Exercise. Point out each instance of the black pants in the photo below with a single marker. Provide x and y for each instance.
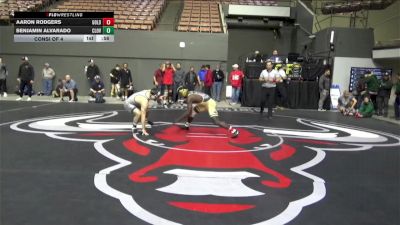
(373, 100)
(267, 95)
(191, 86)
(383, 104)
(207, 90)
(397, 107)
(22, 85)
(175, 93)
(3, 86)
(281, 89)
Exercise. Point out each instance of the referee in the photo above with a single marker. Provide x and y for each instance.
(268, 78)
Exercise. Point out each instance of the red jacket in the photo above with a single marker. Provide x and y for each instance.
(158, 74)
(236, 78)
(168, 76)
(208, 82)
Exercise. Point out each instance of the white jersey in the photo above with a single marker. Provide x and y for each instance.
(269, 77)
(131, 99)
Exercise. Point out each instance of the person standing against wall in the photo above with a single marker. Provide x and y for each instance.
(179, 79)
(91, 71)
(236, 78)
(26, 76)
(324, 84)
(218, 77)
(268, 79)
(3, 78)
(115, 75)
(158, 78)
(372, 88)
(48, 76)
(168, 82)
(397, 100)
(191, 79)
(385, 88)
(208, 82)
(125, 80)
(201, 77)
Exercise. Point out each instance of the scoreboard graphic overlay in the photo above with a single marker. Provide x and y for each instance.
(64, 27)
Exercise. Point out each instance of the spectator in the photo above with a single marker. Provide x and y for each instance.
(256, 57)
(91, 71)
(218, 77)
(324, 88)
(48, 76)
(158, 78)
(179, 79)
(281, 86)
(70, 89)
(366, 109)
(360, 91)
(383, 97)
(208, 81)
(26, 76)
(60, 86)
(268, 77)
(201, 77)
(125, 80)
(97, 90)
(114, 79)
(191, 79)
(236, 78)
(168, 81)
(3, 78)
(372, 87)
(397, 101)
(275, 57)
(347, 103)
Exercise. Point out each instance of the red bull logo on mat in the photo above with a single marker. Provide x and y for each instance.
(181, 176)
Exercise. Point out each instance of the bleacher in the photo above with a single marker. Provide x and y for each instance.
(196, 16)
(250, 2)
(8, 8)
(134, 15)
(200, 16)
(205, 16)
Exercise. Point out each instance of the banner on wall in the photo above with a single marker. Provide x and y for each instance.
(335, 95)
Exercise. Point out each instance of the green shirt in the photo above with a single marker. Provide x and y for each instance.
(372, 83)
(366, 109)
(397, 88)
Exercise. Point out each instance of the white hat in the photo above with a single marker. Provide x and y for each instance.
(235, 66)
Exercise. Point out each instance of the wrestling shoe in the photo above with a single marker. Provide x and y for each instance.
(234, 132)
(186, 126)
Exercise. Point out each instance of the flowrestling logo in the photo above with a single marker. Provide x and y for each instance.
(177, 175)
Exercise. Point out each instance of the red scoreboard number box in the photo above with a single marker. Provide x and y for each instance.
(108, 21)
